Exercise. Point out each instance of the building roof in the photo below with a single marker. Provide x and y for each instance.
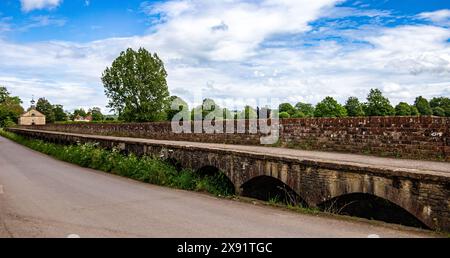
(31, 112)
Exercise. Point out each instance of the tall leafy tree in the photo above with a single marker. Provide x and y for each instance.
(78, 112)
(136, 86)
(378, 105)
(441, 102)
(438, 111)
(44, 106)
(403, 109)
(180, 104)
(96, 114)
(208, 109)
(354, 107)
(306, 109)
(209, 106)
(3, 94)
(10, 110)
(423, 106)
(329, 107)
(288, 108)
(60, 114)
(284, 115)
(414, 111)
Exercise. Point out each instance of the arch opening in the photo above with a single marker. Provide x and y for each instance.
(273, 190)
(215, 181)
(371, 207)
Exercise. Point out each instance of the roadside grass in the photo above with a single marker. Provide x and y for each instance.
(145, 169)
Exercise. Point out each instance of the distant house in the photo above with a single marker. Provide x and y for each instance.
(86, 119)
(32, 116)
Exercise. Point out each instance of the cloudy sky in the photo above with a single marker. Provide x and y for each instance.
(293, 50)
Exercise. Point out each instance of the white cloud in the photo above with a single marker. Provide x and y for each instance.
(436, 16)
(248, 23)
(5, 24)
(29, 5)
(42, 21)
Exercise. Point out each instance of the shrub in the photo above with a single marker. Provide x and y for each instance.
(403, 109)
(423, 106)
(306, 109)
(354, 107)
(438, 111)
(329, 107)
(378, 105)
(287, 108)
(285, 115)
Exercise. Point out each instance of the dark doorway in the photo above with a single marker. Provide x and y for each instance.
(371, 207)
(268, 188)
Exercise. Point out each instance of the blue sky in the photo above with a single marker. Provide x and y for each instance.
(292, 50)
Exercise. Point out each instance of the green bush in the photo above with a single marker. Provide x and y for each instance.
(378, 105)
(354, 107)
(423, 106)
(329, 107)
(403, 109)
(438, 111)
(285, 115)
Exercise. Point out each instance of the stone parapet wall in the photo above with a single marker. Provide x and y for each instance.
(407, 137)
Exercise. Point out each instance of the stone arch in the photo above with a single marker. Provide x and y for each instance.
(219, 176)
(371, 206)
(269, 188)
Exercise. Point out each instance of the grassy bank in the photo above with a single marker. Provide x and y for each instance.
(145, 169)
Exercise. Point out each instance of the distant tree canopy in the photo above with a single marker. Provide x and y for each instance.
(60, 114)
(78, 112)
(329, 107)
(295, 112)
(3, 94)
(53, 113)
(307, 110)
(403, 109)
(354, 107)
(175, 106)
(284, 115)
(442, 103)
(378, 105)
(136, 86)
(423, 106)
(44, 106)
(10, 108)
(96, 114)
(287, 108)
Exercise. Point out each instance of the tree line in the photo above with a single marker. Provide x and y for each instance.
(376, 105)
(56, 113)
(11, 109)
(137, 88)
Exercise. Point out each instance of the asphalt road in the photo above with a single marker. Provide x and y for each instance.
(44, 197)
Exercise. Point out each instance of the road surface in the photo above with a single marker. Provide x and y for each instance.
(44, 197)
